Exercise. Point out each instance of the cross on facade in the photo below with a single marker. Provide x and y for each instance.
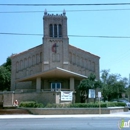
(54, 47)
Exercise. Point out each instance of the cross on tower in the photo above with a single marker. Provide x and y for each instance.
(54, 47)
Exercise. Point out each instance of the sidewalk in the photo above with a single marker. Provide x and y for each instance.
(120, 114)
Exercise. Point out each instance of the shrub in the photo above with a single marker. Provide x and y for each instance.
(87, 105)
(39, 105)
(32, 104)
(96, 105)
(49, 105)
(116, 104)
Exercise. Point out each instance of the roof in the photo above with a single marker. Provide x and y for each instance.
(83, 51)
(25, 51)
(54, 73)
(41, 44)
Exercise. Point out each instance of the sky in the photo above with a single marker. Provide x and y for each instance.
(107, 20)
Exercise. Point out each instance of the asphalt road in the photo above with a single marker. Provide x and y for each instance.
(85, 123)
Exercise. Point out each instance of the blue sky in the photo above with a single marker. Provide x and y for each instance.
(114, 53)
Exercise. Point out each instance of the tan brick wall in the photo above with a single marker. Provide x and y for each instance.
(83, 62)
(42, 97)
(25, 64)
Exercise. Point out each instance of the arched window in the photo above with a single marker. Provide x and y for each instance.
(17, 66)
(40, 57)
(74, 59)
(81, 62)
(89, 64)
(34, 60)
(51, 30)
(93, 66)
(60, 30)
(70, 57)
(37, 58)
(77, 60)
(55, 30)
(21, 64)
(29, 61)
(25, 63)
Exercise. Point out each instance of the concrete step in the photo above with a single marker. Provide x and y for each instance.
(13, 111)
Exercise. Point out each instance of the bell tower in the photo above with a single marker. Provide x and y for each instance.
(55, 41)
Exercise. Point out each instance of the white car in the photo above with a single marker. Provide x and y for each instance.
(125, 101)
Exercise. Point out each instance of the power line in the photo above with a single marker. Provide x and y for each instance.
(121, 57)
(101, 4)
(100, 36)
(29, 34)
(67, 11)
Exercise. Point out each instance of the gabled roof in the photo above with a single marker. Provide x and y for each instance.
(78, 49)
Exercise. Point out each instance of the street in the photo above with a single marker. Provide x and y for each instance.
(84, 123)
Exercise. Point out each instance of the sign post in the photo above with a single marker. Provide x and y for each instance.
(99, 96)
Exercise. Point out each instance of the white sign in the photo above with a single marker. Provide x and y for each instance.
(91, 93)
(99, 94)
(66, 95)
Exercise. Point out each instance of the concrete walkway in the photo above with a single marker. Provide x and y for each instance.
(120, 114)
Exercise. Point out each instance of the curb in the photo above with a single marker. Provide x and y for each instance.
(62, 116)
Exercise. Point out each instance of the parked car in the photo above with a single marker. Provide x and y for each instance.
(122, 100)
(125, 101)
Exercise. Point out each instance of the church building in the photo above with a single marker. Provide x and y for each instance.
(43, 72)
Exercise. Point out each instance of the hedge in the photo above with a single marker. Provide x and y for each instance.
(86, 105)
(33, 104)
(30, 104)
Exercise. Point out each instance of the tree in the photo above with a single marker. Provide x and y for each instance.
(5, 75)
(113, 85)
(7, 64)
(86, 84)
(128, 92)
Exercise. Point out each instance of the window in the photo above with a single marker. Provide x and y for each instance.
(70, 57)
(34, 60)
(55, 86)
(51, 30)
(29, 61)
(17, 66)
(25, 63)
(93, 66)
(74, 59)
(60, 30)
(37, 58)
(55, 30)
(21, 64)
(40, 57)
